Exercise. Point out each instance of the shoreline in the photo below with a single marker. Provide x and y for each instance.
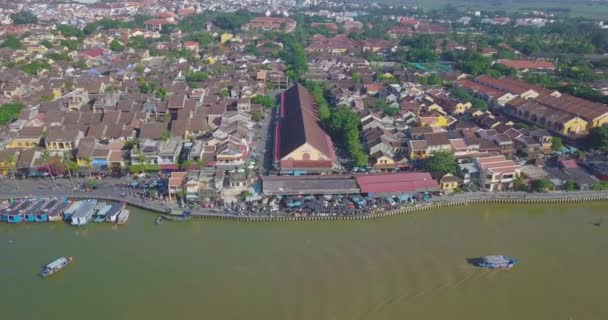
(462, 199)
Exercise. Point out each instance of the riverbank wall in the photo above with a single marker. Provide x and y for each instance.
(461, 199)
(438, 202)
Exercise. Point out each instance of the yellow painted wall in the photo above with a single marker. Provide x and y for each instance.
(23, 143)
(599, 121)
(384, 161)
(576, 125)
(298, 154)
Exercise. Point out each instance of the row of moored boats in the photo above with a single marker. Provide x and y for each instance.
(58, 209)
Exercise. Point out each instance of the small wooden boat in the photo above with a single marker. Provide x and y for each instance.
(159, 219)
(183, 216)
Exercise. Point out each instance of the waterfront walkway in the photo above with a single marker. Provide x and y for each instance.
(109, 192)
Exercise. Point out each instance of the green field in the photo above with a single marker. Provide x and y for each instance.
(577, 8)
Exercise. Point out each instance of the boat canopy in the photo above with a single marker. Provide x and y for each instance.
(56, 263)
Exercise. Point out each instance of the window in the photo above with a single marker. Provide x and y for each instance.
(507, 176)
(489, 177)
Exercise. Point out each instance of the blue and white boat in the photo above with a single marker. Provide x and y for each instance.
(100, 216)
(55, 265)
(84, 213)
(496, 262)
(67, 214)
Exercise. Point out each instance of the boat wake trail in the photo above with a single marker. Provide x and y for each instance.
(405, 298)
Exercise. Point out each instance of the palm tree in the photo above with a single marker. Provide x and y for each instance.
(11, 165)
(141, 159)
(46, 159)
(88, 162)
(70, 165)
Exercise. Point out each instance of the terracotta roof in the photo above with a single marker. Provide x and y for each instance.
(299, 124)
(527, 64)
(397, 182)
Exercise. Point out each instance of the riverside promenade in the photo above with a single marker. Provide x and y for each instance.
(109, 192)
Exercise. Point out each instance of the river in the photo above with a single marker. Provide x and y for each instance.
(404, 267)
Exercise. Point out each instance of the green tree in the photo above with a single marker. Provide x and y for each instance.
(598, 138)
(9, 112)
(556, 143)
(115, 45)
(295, 57)
(541, 185)
(11, 166)
(232, 21)
(70, 165)
(47, 44)
(24, 17)
(519, 183)
(266, 101)
(71, 45)
(257, 116)
(571, 186)
(88, 163)
(12, 42)
(67, 30)
(356, 77)
(441, 161)
(141, 160)
(137, 42)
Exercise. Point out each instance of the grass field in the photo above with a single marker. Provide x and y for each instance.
(580, 8)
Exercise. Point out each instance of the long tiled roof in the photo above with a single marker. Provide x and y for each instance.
(299, 124)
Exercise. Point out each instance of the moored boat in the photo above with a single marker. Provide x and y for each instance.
(123, 216)
(181, 216)
(100, 216)
(84, 213)
(112, 214)
(496, 262)
(54, 266)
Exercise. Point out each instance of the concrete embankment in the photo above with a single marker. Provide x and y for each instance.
(438, 202)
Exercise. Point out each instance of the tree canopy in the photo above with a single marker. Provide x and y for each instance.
(68, 30)
(265, 101)
(344, 125)
(24, 17)
(441, 161)
(12, 42)
(598, 138)
(9, 112)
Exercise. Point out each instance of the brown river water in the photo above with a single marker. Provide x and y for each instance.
(405, 267)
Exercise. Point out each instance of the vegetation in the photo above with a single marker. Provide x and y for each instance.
(317, 93)
(266, 101)
(541, 185)
(12, 42)
(571, 186)
(232, 21)
(598, 138)
(68, 30)
(24, 17)
(115, 45)
(35, 67)
(344, 125)
(442, 161)
(466, 96)
(295, 57)
(71, 45)
(202, 38)
(556, 143)
(9, 112)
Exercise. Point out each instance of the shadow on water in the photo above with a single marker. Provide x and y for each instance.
(474, 261)
(597, 223)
